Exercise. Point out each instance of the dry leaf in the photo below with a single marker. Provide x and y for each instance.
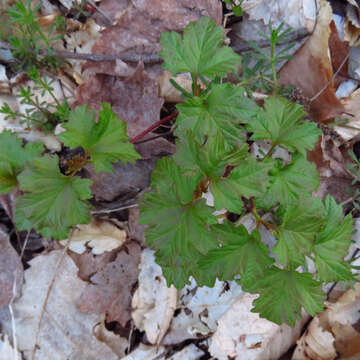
(199, 310)
(126, 181)
(11, 270)
(242, 334)
(311, 69)
(334, 333)
(99, 235)
(153, 302)
(7, 352)
(145, 352)
(110, 288)
(65, 332)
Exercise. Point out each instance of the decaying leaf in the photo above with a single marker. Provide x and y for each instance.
(11, 270)
(199, 310)
(242, 334)
(110, 288)
(153, 302)
(64, 331)
(99, 235)
(334, 333)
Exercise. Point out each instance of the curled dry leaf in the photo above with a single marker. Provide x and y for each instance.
(242, 334)
(335, 332)
(153, 302)
(110, 290)
(11, 270)
(99, 235)
(65, 332)
(311, 69)
(199, 310)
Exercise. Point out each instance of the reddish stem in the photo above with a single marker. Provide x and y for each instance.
(153, 126)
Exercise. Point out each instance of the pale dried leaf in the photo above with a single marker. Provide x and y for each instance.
(335, 332)
(191, 352)
(99, 235)
(242, 334)
(7, 352)
(65, 332)
(146, 352)
(11, 270)
(110, 288)
(153, 302)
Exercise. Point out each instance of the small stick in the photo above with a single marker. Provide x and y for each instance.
(153, 126)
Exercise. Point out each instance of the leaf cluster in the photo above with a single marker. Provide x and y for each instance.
(214, 128)
(54, 200)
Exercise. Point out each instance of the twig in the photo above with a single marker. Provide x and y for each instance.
(331, 79)
(153, 126)
(107, 211)
(350, 199)
(51, 285)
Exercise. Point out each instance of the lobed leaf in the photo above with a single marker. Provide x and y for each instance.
(281, 122)
(13, 157)
(283, 293)
(53, 202)
(105, 141)
(199, 52)
(332, 244)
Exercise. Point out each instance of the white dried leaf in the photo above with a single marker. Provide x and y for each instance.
(145, 352)
(100, 236)
(7, 352)
(200, 308)
(242, 334)
(191, 352)
(153, 302)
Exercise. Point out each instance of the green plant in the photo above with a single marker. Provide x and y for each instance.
(28, 39)
(56, 199)
(38, 114)
(235, 6)
(214, 127)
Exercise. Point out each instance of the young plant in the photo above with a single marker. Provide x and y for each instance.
(38, 114)
(54, 200)
(214, 128)
(28, 39)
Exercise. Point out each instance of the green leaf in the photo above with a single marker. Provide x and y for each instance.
(105, 141)
(210, 158)
(283, 293)
(281, 122)
(221, 110)
(13, 157)
(248, 179)
(290, 183)
(332, 244)
(178, 232)
(296, 235)
(238, 253)
(53, 202)
(200, 51)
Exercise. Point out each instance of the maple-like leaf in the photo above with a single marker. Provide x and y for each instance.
(223, 109)
(283, 293)
(332, 244)
(53, 202)
(13, 157)
(301, 223)
(290, 183)
(177, 232)
(281, 122)
(200, 51)
(105, 141)
(248, 179)
(238, 253)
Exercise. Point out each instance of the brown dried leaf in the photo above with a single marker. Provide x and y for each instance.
(110, 288)
(125, 181)
(310, 70)
(11, 270)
